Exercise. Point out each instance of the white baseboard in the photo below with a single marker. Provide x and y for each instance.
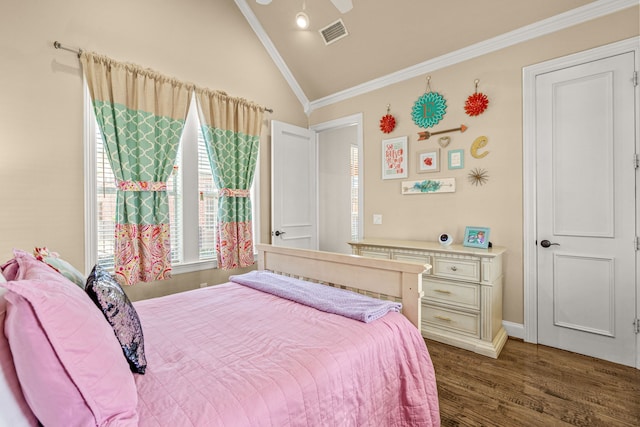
(515, 330)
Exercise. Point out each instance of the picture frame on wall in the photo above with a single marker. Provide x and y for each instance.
(429, 186)
(456, 159)
(429, 161)
(394, 158)
(476, 237)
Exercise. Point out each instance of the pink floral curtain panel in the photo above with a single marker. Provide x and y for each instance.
(141, 115)
(231, 128)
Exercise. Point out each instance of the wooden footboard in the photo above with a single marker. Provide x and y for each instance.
(381, 278)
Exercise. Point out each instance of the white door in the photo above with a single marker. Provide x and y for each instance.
(586, 208)
(294, 212)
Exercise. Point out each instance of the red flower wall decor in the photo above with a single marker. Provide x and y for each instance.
(476, 103)
(387, 122)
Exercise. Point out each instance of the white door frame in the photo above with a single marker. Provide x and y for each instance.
(529, 75)
(354, 119)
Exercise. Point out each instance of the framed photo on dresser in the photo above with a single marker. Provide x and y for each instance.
(476, 237)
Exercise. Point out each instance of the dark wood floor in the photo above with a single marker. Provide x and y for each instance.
(533, 385)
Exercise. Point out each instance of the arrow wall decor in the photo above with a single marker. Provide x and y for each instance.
(426, 135)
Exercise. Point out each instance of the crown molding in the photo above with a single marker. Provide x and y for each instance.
(273, 52)
(558, 22)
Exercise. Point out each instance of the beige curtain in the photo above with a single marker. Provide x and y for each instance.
(141, 115)
(231, 128)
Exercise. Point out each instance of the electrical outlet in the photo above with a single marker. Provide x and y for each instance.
(377, 219)
(204, 285)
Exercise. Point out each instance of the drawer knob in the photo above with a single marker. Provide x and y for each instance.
(442, 291)
(454, 268)
(446, 319)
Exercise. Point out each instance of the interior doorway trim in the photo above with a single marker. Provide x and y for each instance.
(352, 120)
(529, 75)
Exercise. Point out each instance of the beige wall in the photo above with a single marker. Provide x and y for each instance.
(41, 101)
(497, 204)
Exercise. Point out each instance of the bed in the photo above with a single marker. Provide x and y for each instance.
(232, 355)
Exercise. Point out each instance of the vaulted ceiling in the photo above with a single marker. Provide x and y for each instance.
(386, 37)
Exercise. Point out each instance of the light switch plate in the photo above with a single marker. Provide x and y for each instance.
(377, 219)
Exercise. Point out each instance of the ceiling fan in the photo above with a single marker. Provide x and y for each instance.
(343, 6)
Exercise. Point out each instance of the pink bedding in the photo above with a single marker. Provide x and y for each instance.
(232, 356)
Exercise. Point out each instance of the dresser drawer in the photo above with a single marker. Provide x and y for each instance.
(466, 295)
(458, 269)
(370, 253)
(451, 320)
(417, 258)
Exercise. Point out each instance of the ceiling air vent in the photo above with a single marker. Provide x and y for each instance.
(333, 32)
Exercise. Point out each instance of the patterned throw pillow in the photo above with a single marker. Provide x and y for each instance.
(109, 296)
(61, 266)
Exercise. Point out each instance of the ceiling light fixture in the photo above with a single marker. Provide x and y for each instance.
(263, 1)
(302, 19)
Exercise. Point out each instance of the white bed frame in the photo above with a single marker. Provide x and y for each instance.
(380, 278)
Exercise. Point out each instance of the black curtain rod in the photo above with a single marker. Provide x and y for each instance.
(78, 52)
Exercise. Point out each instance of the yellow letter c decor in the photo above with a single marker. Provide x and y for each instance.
(480, 142)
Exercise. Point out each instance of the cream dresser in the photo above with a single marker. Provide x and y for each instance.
(462, 304)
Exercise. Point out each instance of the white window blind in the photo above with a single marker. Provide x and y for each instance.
(354, 192)
(174, 191)
(208, 203)
(106, 206)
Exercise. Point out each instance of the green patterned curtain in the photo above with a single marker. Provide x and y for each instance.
(141, 115)
(231, 128)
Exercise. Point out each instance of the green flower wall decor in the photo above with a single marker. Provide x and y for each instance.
(429, 109)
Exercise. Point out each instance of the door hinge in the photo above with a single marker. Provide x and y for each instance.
(636, 243)
(636, 161)
(635, 78)
(636, 326)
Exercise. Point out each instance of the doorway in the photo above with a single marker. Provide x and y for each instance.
(337, 189)
(339, 183)
(581, 263)
(301, 216)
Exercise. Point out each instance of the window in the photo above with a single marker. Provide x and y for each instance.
(193, 200)
(355, 202)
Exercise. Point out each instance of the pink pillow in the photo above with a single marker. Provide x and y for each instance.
(9, 269)
(62, 345)
(14, 410)
(28, 267)
(55, 399)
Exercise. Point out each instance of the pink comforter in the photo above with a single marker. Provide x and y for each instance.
(232, 356)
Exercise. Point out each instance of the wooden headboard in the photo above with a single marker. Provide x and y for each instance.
(378, 277)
